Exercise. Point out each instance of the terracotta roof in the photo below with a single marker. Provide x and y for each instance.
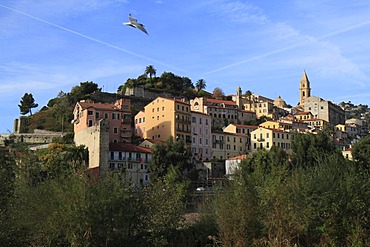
(219, 101)
(302, 113)
(98, 106)
(245, 126)
(120, 146)
(240, 157)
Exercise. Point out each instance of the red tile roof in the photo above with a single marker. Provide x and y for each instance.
(98, 106)
(240, 157)
(127, 147)
(302, 113)
(245, 126)
(219, 101)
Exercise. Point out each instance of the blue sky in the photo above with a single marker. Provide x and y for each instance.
(263, 46)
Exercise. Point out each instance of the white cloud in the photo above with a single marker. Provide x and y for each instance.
(238, 11)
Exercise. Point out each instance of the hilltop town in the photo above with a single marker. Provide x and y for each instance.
(220, 130)
(182, 166)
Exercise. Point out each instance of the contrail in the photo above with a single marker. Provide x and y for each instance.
(92, 39)
(332, 34)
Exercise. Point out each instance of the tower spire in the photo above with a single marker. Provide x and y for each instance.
(304, 89)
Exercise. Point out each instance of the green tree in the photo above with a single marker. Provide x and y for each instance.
(307, 149)
(200, 85)
(7, 181)
(165, 156)
(361, 153)
(27, 103)
(151, 71)
(82, 91)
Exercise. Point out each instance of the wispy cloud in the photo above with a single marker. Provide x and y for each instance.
(93, 39)
(238, 11)
(30, 77)
(325, 56)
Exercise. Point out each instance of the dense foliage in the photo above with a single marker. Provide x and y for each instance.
(312, 197)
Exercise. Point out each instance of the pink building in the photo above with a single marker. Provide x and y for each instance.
(88, 114)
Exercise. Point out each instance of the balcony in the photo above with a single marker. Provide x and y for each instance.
(260, 139)
(126, 121)
(218, 141)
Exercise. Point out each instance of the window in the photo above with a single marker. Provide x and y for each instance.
(111, 166)
(193, 120)
(97, 115)
(115, 130)
(90, 113)
(90, 123)
(105, 115)
(113, 116)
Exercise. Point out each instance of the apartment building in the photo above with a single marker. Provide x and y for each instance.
(223, 112)
(226, 145)
(201, 146)
(164, 118)
(242, 129)
(263, 138)
(324, 109)
(132, 160)
(351, 130)
(87, 114)
(286, 125)
(316, 124)
(303, 115)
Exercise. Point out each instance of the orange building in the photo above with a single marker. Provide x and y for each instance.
(164, 118)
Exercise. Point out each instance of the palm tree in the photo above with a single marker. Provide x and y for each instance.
(200, 85)
(151, 71)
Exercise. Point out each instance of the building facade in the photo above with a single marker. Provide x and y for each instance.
(263, 138)
(118, 114)
(133, 161)
(324, 109)
(164, 118)
(201, 146)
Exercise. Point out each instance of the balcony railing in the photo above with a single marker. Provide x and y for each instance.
(260, 139)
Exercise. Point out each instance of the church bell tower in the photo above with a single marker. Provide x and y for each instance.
(304, 89)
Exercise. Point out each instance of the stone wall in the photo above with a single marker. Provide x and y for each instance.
(96, 139)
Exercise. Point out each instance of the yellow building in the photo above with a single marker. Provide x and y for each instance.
(241, 129)
(263, 138)
(165, 118)
(271, 125)
(303, 115)
(351, 130)
(316, 124)
(226, 145)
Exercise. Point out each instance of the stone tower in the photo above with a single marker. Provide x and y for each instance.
(239, 102)
(304, 89)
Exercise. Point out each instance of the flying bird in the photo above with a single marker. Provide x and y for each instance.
(133, 23)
